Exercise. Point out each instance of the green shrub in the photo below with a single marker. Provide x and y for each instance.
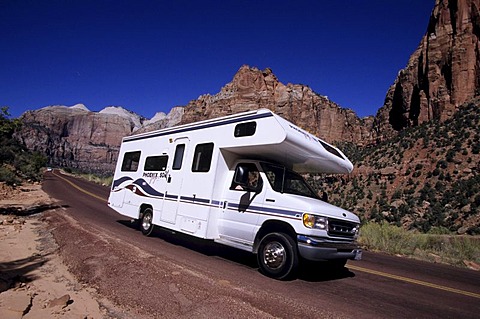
(8, 176)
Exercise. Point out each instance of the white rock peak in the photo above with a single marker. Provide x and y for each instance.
(134, 118)
(137, 121)
(157, 117)
(80, 106)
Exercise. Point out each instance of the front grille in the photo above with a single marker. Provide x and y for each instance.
(341, 228)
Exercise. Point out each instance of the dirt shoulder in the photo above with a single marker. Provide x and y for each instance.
(34, 282)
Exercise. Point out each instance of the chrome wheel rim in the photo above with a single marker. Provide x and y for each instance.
(274, 255)
(147, 221)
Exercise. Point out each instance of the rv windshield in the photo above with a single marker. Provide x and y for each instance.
(283, 180)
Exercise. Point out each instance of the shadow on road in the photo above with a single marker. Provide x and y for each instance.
(312, 272)
(203, 246)
(323, 271)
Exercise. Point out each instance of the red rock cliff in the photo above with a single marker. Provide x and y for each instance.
(252, 89)
(443, 72)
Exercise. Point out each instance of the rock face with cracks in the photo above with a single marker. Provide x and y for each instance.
(252, 89)
(443, 72)
(74, 137)
(78, 138)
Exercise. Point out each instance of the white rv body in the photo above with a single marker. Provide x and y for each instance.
(189, 179)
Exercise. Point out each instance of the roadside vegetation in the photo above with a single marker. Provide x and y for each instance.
(425, 177)
(105, 181)
(438, 245)
(17, 164)
(101, 180)
(418, 193)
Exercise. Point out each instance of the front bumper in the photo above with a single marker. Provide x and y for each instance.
(320, 249)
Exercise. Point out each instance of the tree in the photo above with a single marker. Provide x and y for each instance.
(16, 162)
(7, 126)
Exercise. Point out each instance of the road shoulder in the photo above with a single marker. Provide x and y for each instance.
(34, 282)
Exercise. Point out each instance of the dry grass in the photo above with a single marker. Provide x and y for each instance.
(450, 249)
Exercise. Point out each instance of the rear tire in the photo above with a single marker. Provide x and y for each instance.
(146, 222)
(277, 256)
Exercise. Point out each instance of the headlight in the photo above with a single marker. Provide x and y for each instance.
(356, 231)
(314, 221)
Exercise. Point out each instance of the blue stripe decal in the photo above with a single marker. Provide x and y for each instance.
(153, 193)
(195, 199)
(280, 211)
(147, 188)
(250, 208)
(121, 180)
(201, 127)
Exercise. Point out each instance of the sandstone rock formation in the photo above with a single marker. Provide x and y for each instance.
(443, 72)
(78, 138)
(161, 120)
(134, 119)
(252, 89)
(75, 137)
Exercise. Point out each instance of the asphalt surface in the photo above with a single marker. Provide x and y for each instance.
(177, 276)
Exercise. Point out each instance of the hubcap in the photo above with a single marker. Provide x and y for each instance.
(274, 255)
(146, 221)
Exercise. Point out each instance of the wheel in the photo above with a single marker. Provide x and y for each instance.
(146, 222)
(277, 256)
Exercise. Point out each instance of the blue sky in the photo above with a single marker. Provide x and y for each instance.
(149, 56)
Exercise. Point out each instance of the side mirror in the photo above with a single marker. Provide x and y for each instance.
(241, 176)
(249, 180)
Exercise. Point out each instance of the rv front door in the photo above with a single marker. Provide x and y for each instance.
(175, 177)
(243, 199)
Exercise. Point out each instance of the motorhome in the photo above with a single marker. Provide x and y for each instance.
(237, 180)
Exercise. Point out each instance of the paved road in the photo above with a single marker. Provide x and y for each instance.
(175, 276)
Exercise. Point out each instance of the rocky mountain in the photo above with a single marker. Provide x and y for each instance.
(135, 120)
(425, 178)
(161, 120)
(442, 73)
(252, 88)
(78, 138)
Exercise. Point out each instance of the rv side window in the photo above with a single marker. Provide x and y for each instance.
(130, 161)
(156, 163)
(202, 157)
(245, 129)
(178, 158)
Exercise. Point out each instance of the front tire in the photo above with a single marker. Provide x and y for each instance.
(146, 222)
(277, 256)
